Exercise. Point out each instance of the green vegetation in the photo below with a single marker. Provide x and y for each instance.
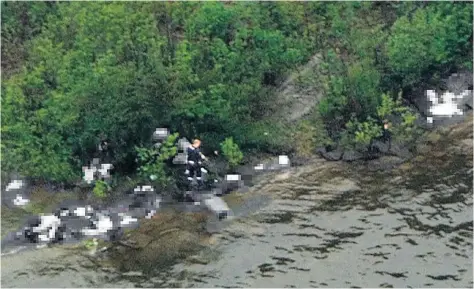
(74, 71)
(152, 161)
(370, 57)
(100, 189)
(232, 152)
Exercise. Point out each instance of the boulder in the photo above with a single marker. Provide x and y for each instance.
(160, 241)
(330, 156)
(350, 156)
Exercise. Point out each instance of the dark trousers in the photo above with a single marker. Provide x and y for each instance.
(387, 137)
(194, 169)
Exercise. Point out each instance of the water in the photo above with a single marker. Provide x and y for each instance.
(322, 225)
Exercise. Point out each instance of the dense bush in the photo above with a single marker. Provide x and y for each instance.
(231, 152)
(73, 71)
(388, 55)
(152, 161)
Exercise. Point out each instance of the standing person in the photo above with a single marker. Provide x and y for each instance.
(194, 161)
(387, 135)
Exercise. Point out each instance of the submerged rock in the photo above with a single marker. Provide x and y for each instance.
(160, 241)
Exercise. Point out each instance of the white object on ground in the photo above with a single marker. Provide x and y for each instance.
(216, 204)
(80, 211)
(183, 143)
(147, 188)
(127, 220)
(104, 169)
(449, 105)
(20, 201)
(47, 228)
(103, 225)
(204, 170)
(283, 160)
(259, 167)
(89, 174)
(14, 185)
(232, 178)
(161, 133)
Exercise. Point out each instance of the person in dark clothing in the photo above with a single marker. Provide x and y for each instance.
(194, 161)
(387, 135)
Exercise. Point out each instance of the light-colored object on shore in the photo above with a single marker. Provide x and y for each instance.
(232, 178)
(180, 159)
(104, 170)
(446, 105)
(89, 174)
(161, 133)
(216, 205)
(127, 220)
(284, 160)
(47, 228)
(147, 188)
(20, 201)
(103, 225)
(183, 143)
(259, 167)
(150, 214)
(80, 212)
(14, 185)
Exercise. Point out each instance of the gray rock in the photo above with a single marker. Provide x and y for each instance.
(330, 156)
(459, 82)
(385, 163)
(466, 102)
(350, 156)
(334, 155)
(382, 147)
(400, 150)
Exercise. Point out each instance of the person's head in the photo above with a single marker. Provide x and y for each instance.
(196, 143)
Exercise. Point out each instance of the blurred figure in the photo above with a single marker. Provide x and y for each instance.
(387, 135)
(194, 162)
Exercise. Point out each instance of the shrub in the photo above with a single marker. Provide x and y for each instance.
(363, 133)
(404, 130)
(101, 189)
(152, 161)
(232, 152)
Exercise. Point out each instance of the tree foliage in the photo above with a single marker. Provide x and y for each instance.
(232, 152)
(73, 71)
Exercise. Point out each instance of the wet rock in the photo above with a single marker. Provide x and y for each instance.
(385, 163)
(133, 274)
(400, 150)
(330, 156)
(458, 82)
(381, 147)
(198, 260)
(160, 241)
(350, 156)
